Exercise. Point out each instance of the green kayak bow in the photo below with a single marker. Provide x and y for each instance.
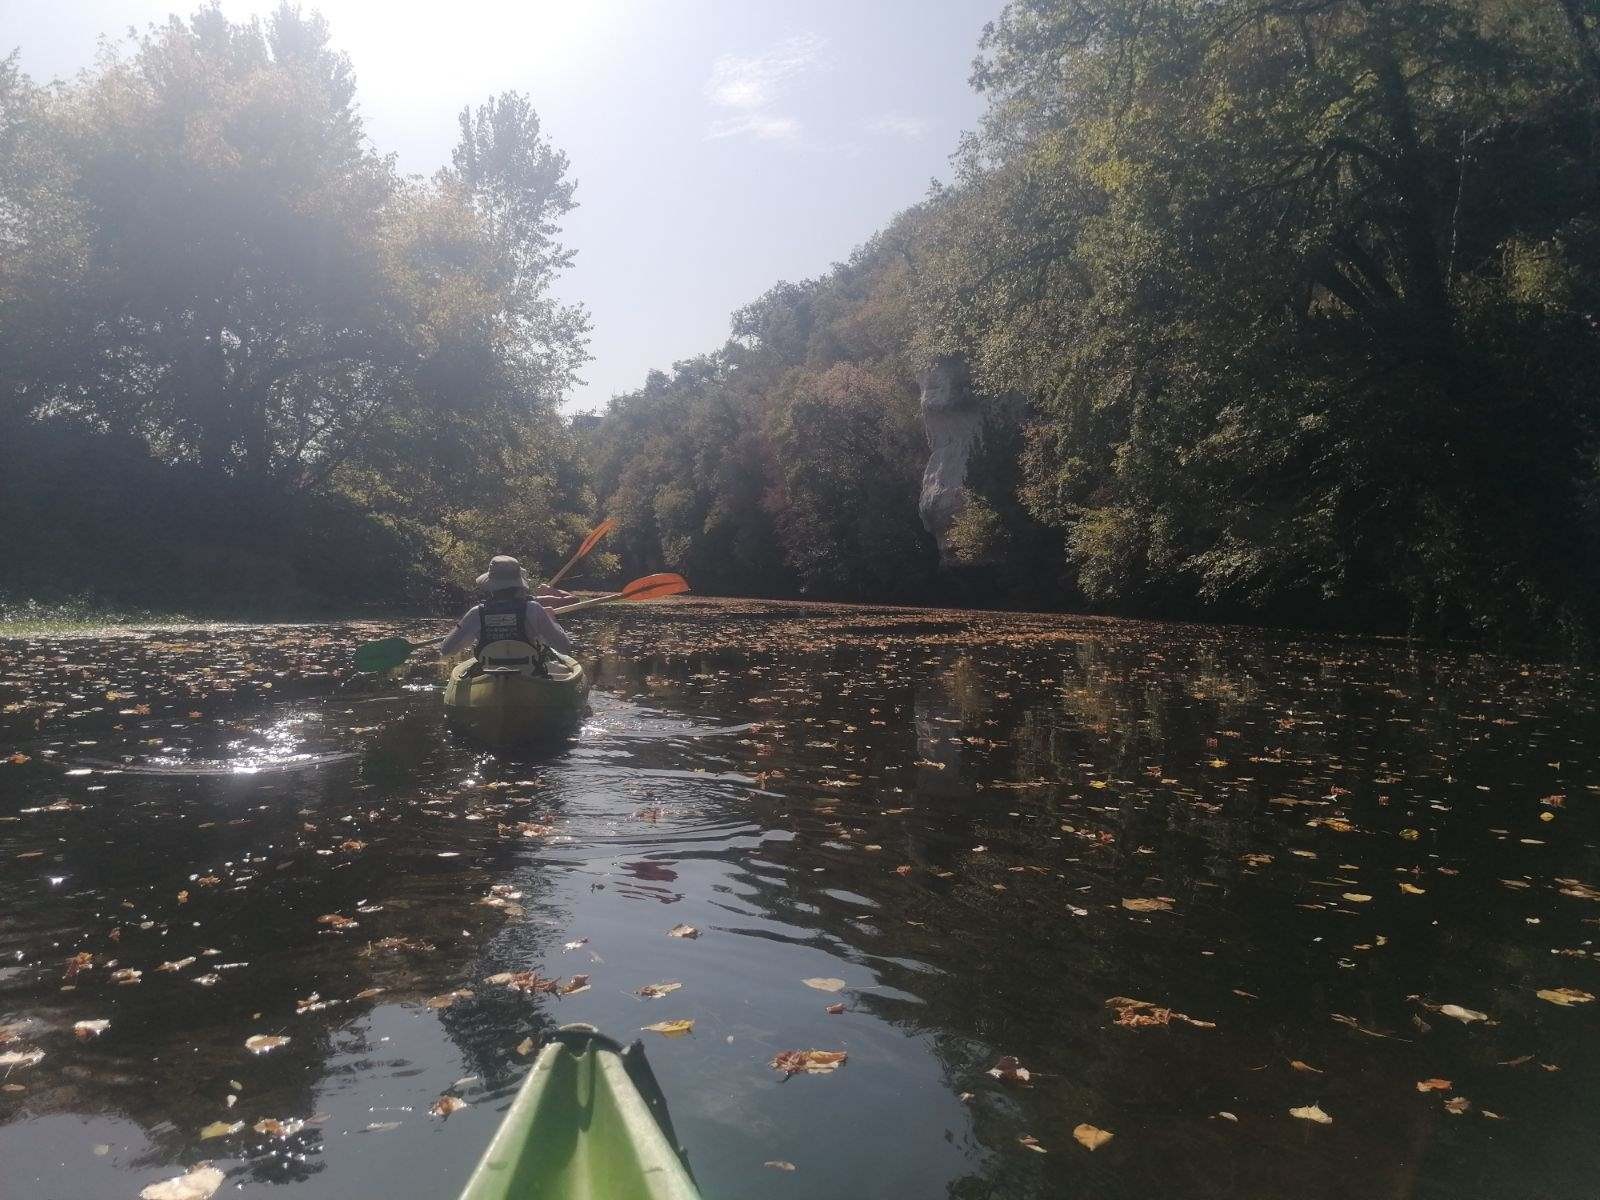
(589, 1123)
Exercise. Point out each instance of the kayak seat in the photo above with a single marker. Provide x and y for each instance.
(513, 658)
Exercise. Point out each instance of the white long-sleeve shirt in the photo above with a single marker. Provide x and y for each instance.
(541, 626)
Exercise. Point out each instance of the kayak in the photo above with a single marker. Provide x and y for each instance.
(590, 1123)
(501, 706)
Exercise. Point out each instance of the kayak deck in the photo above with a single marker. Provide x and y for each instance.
(502, 707)
(589, 1123)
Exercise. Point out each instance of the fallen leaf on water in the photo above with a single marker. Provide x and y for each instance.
(90, 1029)
(220, 1129)
(198, 1183)
(526, 1047)
(1136, 1014)
(127, 976)
(1227, 1116)
(683, 931)
(652, 990)
(777, 1164)
(1457, 1105)
(449, 998)
(834, 1009)
(1411, 889)
(675, 1028)
(1147, 905)
(1573, 887)
(1032, 1143)
(1303, 1066)
(272, 1127)
(21, 1058)
(1433, 1085)
(1566, 997)
(17, 759)
(1091, 1138)
(337, 921)
(263, 1042)
(812, 1062)
(177, 964)
(445, 1105)
(1467, 1015)
(1357, 897)
(368, 993)
(824, 985)
(1311, 1113)
(1009, 1070)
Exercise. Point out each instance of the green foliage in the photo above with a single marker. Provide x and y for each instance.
(206, 259)
(1300, 295)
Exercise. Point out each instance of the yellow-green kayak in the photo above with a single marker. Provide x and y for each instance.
(501, 706)
(589, 1123)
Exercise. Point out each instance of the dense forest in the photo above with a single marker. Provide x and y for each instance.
(1282, 310)
(243, 362)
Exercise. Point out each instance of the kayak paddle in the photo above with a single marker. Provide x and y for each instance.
(649, 587)
(386, 653)
(390, 652)
(589, 543)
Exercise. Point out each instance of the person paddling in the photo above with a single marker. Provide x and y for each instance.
(511, 614)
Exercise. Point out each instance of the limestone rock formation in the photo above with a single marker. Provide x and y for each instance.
(952, 418)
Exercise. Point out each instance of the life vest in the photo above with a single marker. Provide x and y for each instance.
(503, 639)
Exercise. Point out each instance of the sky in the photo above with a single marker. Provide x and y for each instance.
(719, 146)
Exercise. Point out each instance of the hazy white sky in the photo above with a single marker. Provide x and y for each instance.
(718, 145)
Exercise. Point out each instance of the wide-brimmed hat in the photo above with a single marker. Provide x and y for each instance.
(504, 572)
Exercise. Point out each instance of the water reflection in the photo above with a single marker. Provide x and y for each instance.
(1325, 844)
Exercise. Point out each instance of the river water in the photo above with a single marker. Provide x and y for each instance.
(1338, 874)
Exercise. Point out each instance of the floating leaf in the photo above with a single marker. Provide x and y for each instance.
(683, 931)
(834, 1009)
(1466, 1015)
(1032, 1143)
(1304, 1066)
(263, 1042)
(198, 1183)
(1457, 1105)
(1091, 1138)
(272, 1127)
(1311, 1112)
(675, 1028)
(812, 1062)
(1135, 1014)
(449, 998)
(21, 1058)
(824, 985)
(777, 1164)
(1147, 905)
(651, 991)
(220, 1129)
(1009, 1070)
(1566, 997)
(90, 1029)
(526, 1047)
(445, 1105)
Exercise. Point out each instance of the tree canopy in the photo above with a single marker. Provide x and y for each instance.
(208, 258)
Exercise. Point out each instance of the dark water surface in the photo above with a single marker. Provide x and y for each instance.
(1345, 848)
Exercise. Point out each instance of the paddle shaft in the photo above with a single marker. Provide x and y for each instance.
(589, 543)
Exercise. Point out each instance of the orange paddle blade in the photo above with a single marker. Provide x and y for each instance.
(653, 587)
(599, 532)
